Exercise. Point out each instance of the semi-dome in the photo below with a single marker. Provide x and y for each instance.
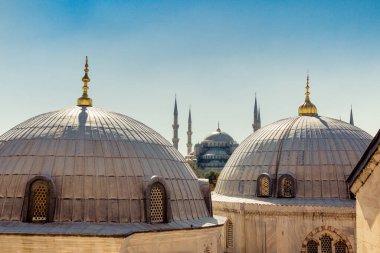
(318, 152)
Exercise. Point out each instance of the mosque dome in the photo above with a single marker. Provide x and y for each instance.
(307, 156)
(219, 136)
(98, 166)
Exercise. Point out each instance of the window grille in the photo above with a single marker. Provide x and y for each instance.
(312, 246)
(326, 244)
(287, 187)
(157, 200)
(39, 201)
(264, 186)
(340, 247)
(229, 235)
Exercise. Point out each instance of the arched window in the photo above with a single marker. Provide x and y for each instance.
(326, 239)
(326, 244)
(157, 203)
(229, 235)
(263, 186)
(287, 186)
(312, 246)
(340, 247)
(39, 197)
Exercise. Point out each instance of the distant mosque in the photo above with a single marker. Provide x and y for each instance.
(215, 150)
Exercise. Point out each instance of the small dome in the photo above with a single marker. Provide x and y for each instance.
(319, 153)
(215, 153)
(100, 163)
(219, 136)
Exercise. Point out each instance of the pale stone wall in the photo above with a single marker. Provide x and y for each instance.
(179, 241)
(183, 241)
(283, 229)
(368, 211)
(58, 244)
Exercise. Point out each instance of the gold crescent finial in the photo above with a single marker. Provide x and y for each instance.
(307, 108)
(84, 100)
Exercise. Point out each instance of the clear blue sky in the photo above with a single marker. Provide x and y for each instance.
(213, 54)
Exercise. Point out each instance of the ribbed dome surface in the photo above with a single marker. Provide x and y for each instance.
(319, 152)
(99, 162)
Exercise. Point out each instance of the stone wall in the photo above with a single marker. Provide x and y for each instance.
(284, 229)
(180, 241)
(206, 240)
(368, 210)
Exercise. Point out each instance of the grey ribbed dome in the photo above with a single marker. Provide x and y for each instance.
(319, 152)
(219, 136)
(99, 162)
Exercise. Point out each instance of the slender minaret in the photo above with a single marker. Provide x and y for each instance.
(351, 117)
(259, 118)
(175, 125)
(256, 117)
(189, 133)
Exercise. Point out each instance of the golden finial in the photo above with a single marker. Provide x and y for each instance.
(307, 108)
(84, 100)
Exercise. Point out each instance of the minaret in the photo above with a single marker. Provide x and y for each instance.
(256, 117)
(85, 100)
(351, 117)
(259, 118)
(175, 125)
(189, 133)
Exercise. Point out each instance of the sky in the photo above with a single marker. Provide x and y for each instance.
(213, 55)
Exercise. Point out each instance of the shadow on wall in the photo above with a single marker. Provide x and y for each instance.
(370, 214)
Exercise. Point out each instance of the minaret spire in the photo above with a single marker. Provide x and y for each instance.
(259, 118)
(351, 117)
(84, 100)
(218, 129)
(175, 125)
(189, 133)
(256, 117)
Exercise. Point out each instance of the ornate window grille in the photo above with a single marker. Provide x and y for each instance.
(287, 186)
(264, 186)
(157, 203)
(39, 201)
(340, 247)
(312, 246)
(229, 235)
(326, 246)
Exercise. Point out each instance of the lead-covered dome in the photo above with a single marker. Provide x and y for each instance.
(315, 153)
(100, 165)
(219, 136)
